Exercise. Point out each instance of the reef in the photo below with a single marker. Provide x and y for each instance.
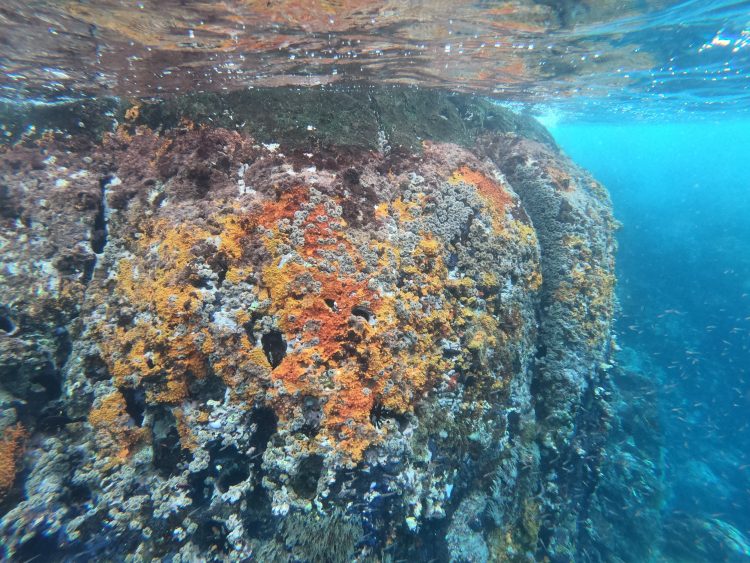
(298, 325)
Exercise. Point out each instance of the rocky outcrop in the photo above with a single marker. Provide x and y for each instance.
(220, 347)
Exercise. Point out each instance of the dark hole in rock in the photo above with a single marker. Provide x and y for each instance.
(516, 364)
(200, 282)
(211, 535)
(14, 495)
(94, 367)
(53, 417)
(265, 422)
(200, 488)
(476, 524)
(258, 519)
(224, 163)
(46, 385)
(8, 207)
(312, 414)
(77, 262)
(99, 231)
(159, 199)
(451, 349)
(201, 178)
(331, 305)
(210, 387)
(362, 311)
(6, 323)
(352, 213)
(221, 267)
(64, 346)
(228, 465)
(126, 318)
(274, 347)
(351, 176)
(238, 468)
(76, 493)
(135, 403)
(452, 260)
(249, 326)
(305, 481)
(469, 381)
(514, 423)
(349, 482)
(38, 548)
(541, 351)
(88, 270)
(168, 453)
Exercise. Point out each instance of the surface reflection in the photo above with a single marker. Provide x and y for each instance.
(524, 49)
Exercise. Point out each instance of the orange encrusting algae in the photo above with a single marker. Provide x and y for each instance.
(561, 179)
(11, 451)
(344, 331)
(493, 193)
(116, 432)
(353, 345)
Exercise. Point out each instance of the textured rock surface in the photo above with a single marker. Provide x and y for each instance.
(216, 348)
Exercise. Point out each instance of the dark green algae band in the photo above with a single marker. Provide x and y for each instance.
(355, 116)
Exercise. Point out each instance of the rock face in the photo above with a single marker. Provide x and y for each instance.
(216, 348)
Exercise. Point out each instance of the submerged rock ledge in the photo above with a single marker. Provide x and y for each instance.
(381, 331)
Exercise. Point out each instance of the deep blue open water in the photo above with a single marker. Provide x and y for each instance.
(680, 191)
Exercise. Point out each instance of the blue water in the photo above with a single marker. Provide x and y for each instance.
(681, 193)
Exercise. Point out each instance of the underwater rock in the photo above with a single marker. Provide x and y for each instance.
(223, 347)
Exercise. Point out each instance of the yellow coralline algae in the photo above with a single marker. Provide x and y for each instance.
(115, 431)
(346, 335)
(165, 341)
(512, 543)
(588, 292)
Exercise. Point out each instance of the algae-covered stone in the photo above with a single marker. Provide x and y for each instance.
(304, 325)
